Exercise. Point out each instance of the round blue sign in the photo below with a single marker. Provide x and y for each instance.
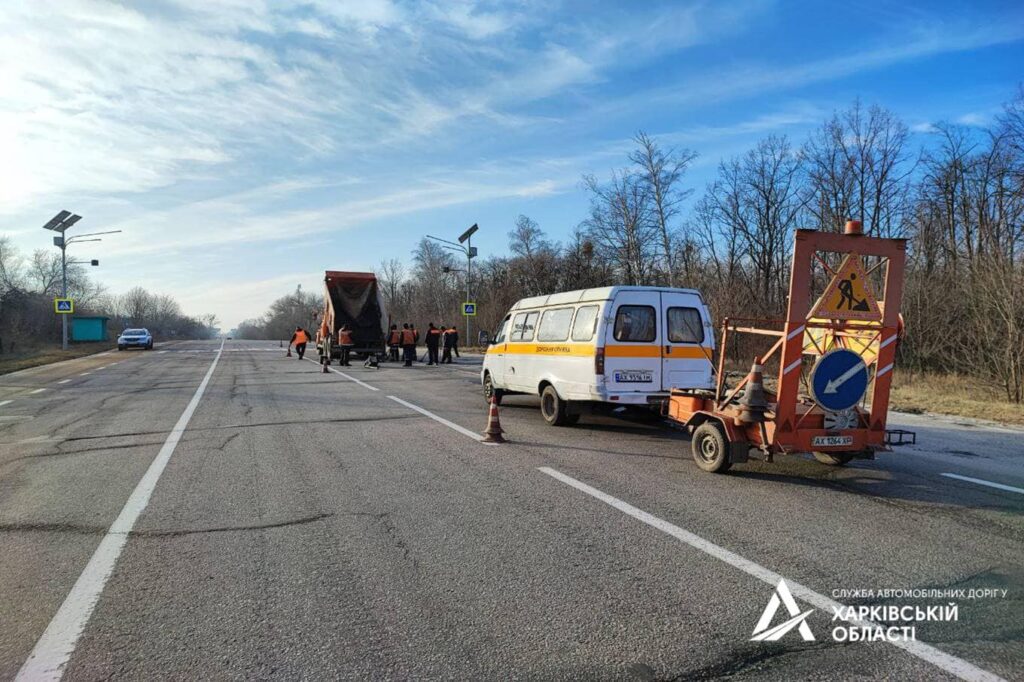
(839, 380)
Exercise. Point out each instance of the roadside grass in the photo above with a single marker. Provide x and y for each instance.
(45, 355)
(952, 394)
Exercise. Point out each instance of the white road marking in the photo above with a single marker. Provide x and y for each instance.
(85, 374)
(990, 484)
(951, 664)
(347, 376)
(5, 402)
(442, 420)
(64, 381)
(57, 643)
(160, 351)
(38, 390)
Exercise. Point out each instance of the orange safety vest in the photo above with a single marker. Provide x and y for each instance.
(300, 337)
(345, 337)
(394, 338)
(434, 332)
(408, 337)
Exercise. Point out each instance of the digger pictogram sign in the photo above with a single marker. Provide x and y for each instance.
(847, 296)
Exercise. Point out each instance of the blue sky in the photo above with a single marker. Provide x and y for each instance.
(246, 146)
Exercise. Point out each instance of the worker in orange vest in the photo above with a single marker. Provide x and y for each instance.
(394, 341)
(408, 344)
(451, 338)
(346, 343)
(300, 338)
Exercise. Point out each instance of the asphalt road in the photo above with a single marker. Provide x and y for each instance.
(303, 525)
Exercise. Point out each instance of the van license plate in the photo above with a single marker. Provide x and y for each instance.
(634, 376)
(831, 441)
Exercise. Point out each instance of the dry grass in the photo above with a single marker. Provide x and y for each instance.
(45, 355)
(954, 395)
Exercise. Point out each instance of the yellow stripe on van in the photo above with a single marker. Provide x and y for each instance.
(553, 349)
(646, 350)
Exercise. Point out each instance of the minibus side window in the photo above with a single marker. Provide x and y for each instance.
(554, 325)
(586, 323)
(522, 328)
(500, 337)
(685, 326)
(635, 323)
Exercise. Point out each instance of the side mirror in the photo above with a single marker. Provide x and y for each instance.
(484, 338)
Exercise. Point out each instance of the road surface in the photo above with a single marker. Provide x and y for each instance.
(273, 521)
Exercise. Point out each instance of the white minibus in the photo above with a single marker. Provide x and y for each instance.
(621, 345)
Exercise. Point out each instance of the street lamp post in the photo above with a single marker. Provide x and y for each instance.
(60, 223)
(465, 246)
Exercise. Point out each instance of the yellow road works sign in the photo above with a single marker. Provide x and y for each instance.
(848, 296)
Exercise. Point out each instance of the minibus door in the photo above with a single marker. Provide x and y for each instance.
(685, 357)
(632, 351)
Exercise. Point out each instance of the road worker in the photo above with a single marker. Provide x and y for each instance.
(454, 332)
(433, 342)
(449, 338)
(408, 337)
(394, 341)
(300, 338)
(346, 343)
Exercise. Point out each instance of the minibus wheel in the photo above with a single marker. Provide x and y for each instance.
(555, 410)
(710, 448)
(490, 391)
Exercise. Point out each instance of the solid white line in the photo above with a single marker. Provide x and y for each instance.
(55, 646)
(990, 484)
(350, 378)
(947, 662)
(442, 420)
(5, 402)
(64, 381)
(38, 390)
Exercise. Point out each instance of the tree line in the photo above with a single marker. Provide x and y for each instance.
(28, 285)
(958, 199)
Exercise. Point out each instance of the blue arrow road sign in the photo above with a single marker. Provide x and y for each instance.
(839, 380)
(63, 305)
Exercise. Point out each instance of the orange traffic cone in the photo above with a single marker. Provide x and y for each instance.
(493, 432)
(323, 366)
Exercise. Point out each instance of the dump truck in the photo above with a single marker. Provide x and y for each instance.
(353, 299)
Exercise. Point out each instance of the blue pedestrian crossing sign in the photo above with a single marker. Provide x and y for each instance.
(64, 306)
(839, 380)
(469, 309)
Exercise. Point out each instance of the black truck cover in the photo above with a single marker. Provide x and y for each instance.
(353, 298)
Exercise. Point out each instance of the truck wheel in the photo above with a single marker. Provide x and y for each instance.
(836, 459)
(710, 448)
(555, 410)
(490, 391)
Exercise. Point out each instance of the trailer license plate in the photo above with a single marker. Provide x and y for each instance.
(831, 441)
(634, 376)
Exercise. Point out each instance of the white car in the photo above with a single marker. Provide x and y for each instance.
(135, 338)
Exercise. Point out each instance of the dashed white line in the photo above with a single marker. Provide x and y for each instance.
(441, 420)
(347, 376)
(85, 374)
(5, 402)
(951, 664)
(57, 643)
(38, 390)
(64, 381)
(990, 484)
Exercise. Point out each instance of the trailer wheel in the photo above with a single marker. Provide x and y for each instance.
(836, 459)
(555, 410)
(710, 448)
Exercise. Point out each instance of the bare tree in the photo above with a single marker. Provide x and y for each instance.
(663, 172)
(621, 227)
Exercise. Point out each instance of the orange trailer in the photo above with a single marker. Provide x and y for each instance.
(835, 362)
